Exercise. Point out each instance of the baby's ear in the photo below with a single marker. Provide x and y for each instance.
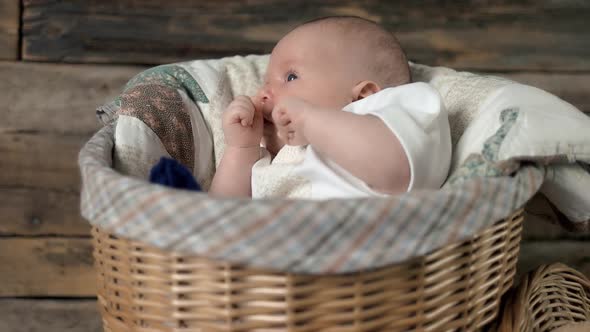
(364, 89)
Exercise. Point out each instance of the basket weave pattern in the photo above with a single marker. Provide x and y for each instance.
(547, 298)
(457, 287)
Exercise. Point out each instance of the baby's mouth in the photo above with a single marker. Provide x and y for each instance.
(268, 118)
(269, 127)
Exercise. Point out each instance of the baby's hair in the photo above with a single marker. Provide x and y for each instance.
(389, 63)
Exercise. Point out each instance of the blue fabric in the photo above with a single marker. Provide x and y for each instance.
(171, 173)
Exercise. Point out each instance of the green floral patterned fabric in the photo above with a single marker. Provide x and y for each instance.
(172, 76)
(487, 163)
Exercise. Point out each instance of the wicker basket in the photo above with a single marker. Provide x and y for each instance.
(547, 298)
(458, 287)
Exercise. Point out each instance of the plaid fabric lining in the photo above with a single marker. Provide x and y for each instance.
(298, 236)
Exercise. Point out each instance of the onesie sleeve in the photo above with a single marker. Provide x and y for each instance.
(416, 115)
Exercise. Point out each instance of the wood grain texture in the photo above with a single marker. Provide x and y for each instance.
(9, 29)
(39, 212)
(59, 99)
(42, 161)
(34, 315)
(48, 113)
(46, 267)
(499, 35)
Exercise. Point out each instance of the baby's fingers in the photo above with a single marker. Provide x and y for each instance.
(242, 116)
(257, 102)
(246, 121)
(281, 118)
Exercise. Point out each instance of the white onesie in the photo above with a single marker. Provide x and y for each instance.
(413, 112)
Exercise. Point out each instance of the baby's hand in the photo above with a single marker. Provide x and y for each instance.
(242, 123)
(289, 116)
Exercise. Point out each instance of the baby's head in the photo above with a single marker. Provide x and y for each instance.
(331, 62)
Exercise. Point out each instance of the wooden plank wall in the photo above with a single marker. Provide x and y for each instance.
(47, 281)
(9, 29)
(490, 35)
(60, 59)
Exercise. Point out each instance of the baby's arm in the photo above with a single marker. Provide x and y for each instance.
(361, 144)
(233, 175)
(242, 127)
(364, 146)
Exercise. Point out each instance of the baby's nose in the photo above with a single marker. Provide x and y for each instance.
(265, 93)
(265, 97)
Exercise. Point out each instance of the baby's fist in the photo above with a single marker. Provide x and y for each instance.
(242, 123)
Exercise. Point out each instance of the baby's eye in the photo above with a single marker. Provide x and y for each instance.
(291, 77)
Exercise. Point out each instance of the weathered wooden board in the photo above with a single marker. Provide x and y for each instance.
(9, 29)
(47, 114)
(34, 315)
(575, 254)
(500, 35)
(42, 161)
(57, 99)
(46, 267)
(36, 212)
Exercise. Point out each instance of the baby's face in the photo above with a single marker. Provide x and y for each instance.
(313, 64)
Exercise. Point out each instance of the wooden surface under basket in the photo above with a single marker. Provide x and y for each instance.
(547, 298)
(457, 287)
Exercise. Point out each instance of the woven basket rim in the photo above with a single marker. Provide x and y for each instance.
(434, 255)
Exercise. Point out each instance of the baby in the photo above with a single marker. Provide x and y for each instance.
(340, 88)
